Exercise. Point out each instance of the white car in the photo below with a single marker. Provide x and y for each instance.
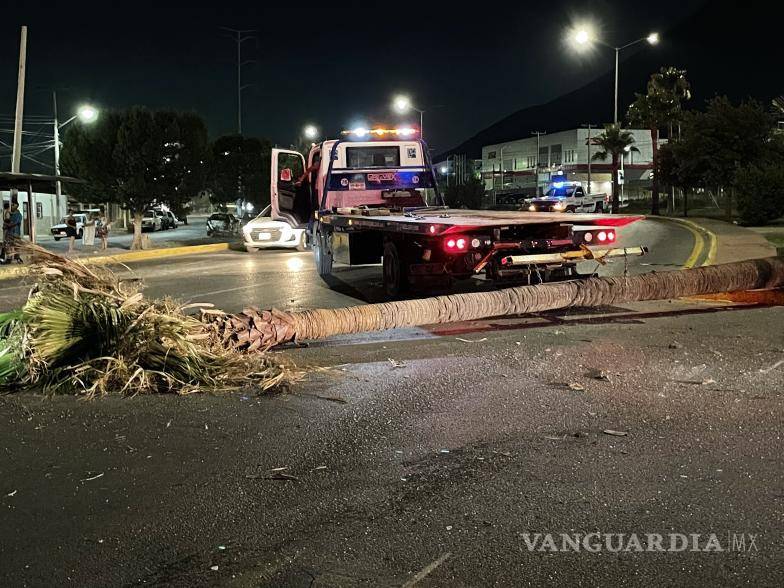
(59, 232)
(262, 232)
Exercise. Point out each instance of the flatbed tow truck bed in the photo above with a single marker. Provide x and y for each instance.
(448, 220)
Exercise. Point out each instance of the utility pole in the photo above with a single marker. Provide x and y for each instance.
(240, 36)
(588, 142)
(16, 158)
(538, 163)
(58, 188)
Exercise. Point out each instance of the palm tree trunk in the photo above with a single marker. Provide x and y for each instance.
(254, 329)
(616, 197)
(655, 178)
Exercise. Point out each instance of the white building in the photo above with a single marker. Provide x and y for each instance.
(512, 166)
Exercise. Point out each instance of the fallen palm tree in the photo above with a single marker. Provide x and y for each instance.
(83, 330)
(254, 329)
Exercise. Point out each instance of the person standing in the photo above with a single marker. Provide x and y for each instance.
(102, 231)
(15, 229)
(70, 231)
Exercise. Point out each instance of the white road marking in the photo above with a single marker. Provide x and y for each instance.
(424, 572)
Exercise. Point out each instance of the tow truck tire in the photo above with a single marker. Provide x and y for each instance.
(599, 208)
(57, 238)
(322, 252)
(569, 211)
(395, 275)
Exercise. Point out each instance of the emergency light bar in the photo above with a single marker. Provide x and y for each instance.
(362, 132)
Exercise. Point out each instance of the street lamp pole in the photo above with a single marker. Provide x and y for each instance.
(58, 188)
(615, 102)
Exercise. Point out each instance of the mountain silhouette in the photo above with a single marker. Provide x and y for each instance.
(726, 47)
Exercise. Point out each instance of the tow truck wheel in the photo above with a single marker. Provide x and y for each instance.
(323, 253)
(395, 278)
(569, 211)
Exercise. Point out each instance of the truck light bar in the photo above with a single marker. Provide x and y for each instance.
(361, 132)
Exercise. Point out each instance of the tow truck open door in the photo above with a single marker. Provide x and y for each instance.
(290, 201)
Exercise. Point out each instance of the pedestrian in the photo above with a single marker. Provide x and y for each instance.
(102, 231)
(14, 229)
(70, 231)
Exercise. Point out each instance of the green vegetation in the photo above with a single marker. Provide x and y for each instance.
(84, 331)
(613, 142)
(137, 158)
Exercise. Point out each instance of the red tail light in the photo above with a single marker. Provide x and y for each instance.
(611, 235)
(602, 236)
(455, 244)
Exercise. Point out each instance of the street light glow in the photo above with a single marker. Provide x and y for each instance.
(653, 38)
(311, 132)
(401, 104)
(87, 113)
(582, 37)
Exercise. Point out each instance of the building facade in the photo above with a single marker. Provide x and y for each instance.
(526, 165)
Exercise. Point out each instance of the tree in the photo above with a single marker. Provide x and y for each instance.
(138, 158)
(467, 195)
(240, 166)
(659, 107)
(613, 142)
(761, 193)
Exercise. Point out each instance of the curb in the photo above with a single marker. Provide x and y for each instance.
(18, 271)
(698, 230)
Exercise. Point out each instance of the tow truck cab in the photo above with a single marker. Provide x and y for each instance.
(372, 197)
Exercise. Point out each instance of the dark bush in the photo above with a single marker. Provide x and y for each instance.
(760, 193)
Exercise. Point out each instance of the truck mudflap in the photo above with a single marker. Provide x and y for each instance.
(582, 254)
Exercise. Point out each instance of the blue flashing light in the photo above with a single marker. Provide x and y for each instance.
(558, 185)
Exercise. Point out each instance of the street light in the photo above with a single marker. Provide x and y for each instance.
(87, 114)
(583, 36)
(310, 132)
(403, 104)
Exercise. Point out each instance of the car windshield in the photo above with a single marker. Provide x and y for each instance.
(560, 192)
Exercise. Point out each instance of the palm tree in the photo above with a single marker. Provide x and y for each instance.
(667, 90)
(651, 112)
(672, 87)
(253, 329)
(614, 142)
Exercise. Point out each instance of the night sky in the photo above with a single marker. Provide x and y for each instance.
(333, 64)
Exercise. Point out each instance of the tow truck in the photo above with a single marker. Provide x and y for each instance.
(371, 196)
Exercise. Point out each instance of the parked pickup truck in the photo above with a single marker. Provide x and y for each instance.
(371, 197)
(568, 197)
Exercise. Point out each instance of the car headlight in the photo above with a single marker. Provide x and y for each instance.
(532, 208)
(558, 206)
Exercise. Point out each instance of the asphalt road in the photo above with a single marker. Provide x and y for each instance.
(287, 279)
(421, 458)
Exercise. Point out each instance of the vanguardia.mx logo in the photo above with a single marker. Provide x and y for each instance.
(642, 542)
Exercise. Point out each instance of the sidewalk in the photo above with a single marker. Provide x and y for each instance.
(729, 242)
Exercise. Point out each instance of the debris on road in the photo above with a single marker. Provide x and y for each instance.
(395, 363)
(615, 433)
(576, 386)
(597, 374)
(471, 340)
(92, 478)
(674, 345)
(773, 367)
(11, 494)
